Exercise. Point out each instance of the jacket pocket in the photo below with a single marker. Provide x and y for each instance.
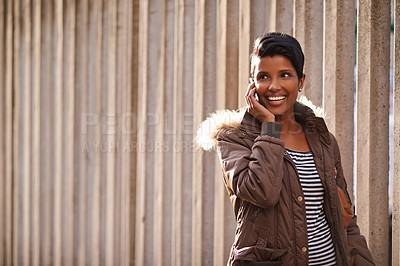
(260, 263)
(260, 254)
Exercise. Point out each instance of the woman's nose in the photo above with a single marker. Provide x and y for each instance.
(274, 85)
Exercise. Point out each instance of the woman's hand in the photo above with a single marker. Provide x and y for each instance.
(255, 108)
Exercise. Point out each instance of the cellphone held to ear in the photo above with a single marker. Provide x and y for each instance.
(255, 93)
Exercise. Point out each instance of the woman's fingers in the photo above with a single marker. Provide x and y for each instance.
(252, 94)
(248, 102)
(251, 100)
(251, 86)
(255, 108)
(248, 97)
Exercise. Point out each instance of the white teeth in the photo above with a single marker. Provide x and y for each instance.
(276, 98)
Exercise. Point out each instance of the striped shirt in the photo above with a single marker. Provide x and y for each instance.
(321, 250)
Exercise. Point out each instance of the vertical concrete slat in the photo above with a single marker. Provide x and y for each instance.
(258, 22)
(219, 193)
(226, 90)
(203, 104)
(46, 160)
(95, 158)
(186, 144)
(266, 16)
(159, 177)
(198, 115)
(6, 134)
(58, 131)
(8, 188)
(177, 188)
(162, 156)
(3, 133)
(229, 43)
(299, 25)
(118, 54)
(36, 131)
(90, 145)
(133, 85)
(148, 118)
(245, 46)
(373, 60)
(280, 16)
(396, 139)
(26, 109)
(120, 97)
(308, 30)
(111, 8)
(338, 79)
(81, 112)
(16, 171)
(182, 154)
(124, 108)
(284, 11)
(67, 148)
(126, 8)
(151, 121)
(270, 16)
(165, 146)
(140, 226)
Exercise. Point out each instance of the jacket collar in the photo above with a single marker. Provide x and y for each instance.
(313, 126)
(229, 121)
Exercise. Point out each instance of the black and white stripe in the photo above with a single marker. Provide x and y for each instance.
(321, 250)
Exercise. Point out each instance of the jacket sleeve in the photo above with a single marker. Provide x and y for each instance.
(253, 171)
(362, 256)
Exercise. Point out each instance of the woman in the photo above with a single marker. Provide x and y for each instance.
(282, 169)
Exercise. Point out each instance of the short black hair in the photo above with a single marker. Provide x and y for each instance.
(276, 43)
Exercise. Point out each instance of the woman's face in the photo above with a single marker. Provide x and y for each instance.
(277, 84)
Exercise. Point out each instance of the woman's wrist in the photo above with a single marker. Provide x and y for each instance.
(272, 129)
(262, 116)
(267, 118)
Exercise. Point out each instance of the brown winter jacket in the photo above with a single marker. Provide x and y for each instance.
(266, 194)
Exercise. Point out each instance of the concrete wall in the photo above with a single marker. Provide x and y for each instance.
(101, 101)
(396, 139)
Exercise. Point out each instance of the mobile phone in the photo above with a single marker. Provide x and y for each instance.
(255, 94)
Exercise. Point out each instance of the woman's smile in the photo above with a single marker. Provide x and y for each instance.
(276, 100)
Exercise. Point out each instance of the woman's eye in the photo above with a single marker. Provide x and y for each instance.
(286, 75)
(262, 77)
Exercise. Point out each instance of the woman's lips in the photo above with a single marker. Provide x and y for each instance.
(276, 100)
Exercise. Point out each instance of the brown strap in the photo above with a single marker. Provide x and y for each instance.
(347, 213)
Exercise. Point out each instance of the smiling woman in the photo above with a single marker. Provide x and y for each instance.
(282, 168)
(276, 84)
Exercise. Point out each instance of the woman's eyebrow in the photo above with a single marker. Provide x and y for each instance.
(262, 73)
(284, 70)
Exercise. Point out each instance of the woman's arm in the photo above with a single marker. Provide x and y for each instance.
(253, 171)
(354, 237)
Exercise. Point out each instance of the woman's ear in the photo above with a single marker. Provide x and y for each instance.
(301, 82)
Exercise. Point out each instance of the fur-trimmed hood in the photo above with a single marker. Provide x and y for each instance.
(230, 120)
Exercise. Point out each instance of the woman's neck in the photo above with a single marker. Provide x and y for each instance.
(289, 124)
